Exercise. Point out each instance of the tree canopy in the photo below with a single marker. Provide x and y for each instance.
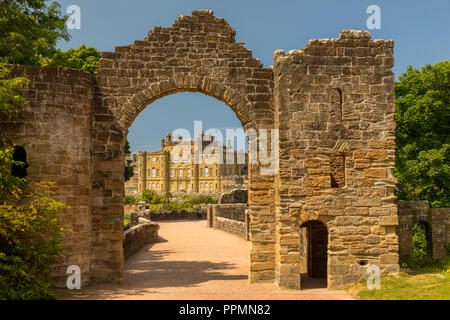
(83, 58)
(30, 29)
(423, 134)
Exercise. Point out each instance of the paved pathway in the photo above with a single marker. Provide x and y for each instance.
(194, 262)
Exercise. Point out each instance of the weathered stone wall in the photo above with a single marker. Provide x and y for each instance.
(336, 96)
(229, 217)
(138, 236)
(332, 102)
(235, 196)
(410, 212)
(54, 127)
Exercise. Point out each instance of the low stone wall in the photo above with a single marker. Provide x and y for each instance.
(137, 236)
(170, 215)
(229, 217)
(410, 212)
(235, 196)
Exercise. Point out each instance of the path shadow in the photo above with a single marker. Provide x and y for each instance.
(163, 274)
(151, 270)
(313, 283)
(147, 270)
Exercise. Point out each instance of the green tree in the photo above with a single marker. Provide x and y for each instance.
(129, 168)
(423, 134)
(29, 30)
(83, 58)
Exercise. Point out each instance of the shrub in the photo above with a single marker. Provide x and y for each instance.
(127, 200)
(29, 235)
(199, 200)
(151, 197)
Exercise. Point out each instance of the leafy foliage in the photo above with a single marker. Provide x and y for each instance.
(83, 58)
(151, 197)
(129, 168)
(30, 29)
(421, 246)
(130, 200)
(10, 90)
(423, 134)
(29, 234)
(199, 200)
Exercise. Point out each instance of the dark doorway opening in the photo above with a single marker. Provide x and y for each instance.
(19, 170)
(315, 251)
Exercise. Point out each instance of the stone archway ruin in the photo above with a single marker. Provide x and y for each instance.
(74, 125)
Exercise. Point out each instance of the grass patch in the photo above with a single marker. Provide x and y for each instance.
(428, 283)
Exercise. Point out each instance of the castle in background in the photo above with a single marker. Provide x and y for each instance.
(158, 171)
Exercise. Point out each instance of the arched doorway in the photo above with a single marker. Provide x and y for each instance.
(314, 252)
(197, 54)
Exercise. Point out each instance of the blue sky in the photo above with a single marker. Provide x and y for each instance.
(420, 29)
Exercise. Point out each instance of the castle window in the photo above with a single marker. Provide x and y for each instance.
(172, 172)
(201, 172)
(206, 171)
(157, 172)
(20, 155)
(211, 172)
(180, 172)
(337, 108)
(153, 172)
(189, 172)
(148, 172)
(153, 186)
(337, 170)
(210, 187)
